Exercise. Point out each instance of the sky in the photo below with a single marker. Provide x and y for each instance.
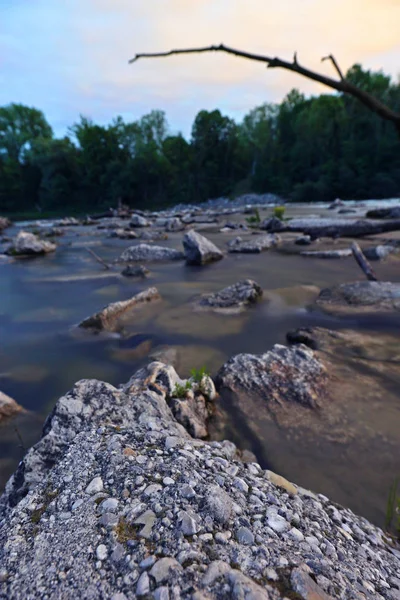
(70, 57)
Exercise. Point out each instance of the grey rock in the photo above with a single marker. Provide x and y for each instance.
(108, 505)
(28, 244)
(245, 536)
(148, 253)
(199, 250)
(344, 253)
(232, 299)
(174, 224)
(361, 296)
(124, 234)
(147, 519)
(143, 585)
(101, 552)
(138, 221)
(219, 504)
(135, 271)
(379, 252)
(243, 588)
(162, 568)
(216, 569)
(188, 523)
(253, 245)
(306, 587)
(95, 486)
(161, 593)
(303, 240)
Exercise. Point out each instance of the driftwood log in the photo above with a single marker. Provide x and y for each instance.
(362, 262)
(333, 228)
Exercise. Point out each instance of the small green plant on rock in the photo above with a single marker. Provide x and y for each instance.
(180, 391)
(254, 219)
(392, 523)
(198, 374)
(279, 211)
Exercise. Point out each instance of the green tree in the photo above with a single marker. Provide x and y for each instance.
(19, 127)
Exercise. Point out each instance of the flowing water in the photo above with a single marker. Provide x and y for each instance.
(42, 354)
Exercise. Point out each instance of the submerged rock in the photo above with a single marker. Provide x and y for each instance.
(361, 296)
(384, 213)
(379, 252)
(199, 250)
(281, 377)
(135, 271)
(107, 318)
(8, 407)
(254, 245)
(124, 234)
(233, 298)
(146, 252)
(28, 244)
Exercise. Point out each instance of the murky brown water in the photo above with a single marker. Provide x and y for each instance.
(41, 356)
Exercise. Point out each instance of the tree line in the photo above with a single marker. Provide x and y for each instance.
(304, 149)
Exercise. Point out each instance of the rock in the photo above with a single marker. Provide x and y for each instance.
(143, 585)
(124, 234)
(216, 570)
(28, 244)
(361, 296)
(174, 224)
(145, 253)
(272, 224)
(303, 240)
(101, 552)
(138, 221)
(254, 245)
(4, 223)
(107, 318)
(245, 536)
(334, 228)
(67, 222)
(95, 486)
(306, 587)
(336, 204)
(345, 252)
(162, 568)
(135, 271)
(219, 504)
(276, 522)
(192, 413)
(281, 376)
(244, 588)
(379, 252)
(153, 235)
(8, 407)
(233, 298)
(147, 519)
(199, 250)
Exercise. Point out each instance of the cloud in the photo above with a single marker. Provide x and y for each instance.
(71, 57)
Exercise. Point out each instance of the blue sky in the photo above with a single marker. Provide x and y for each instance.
(70, 57)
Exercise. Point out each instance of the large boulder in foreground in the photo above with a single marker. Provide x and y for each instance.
(108, 318)
(149, 253)
(199, 250)
(361, 296)
(232, 299)
(124, 504)
(28, 244)
(8, 407)
(253, 245)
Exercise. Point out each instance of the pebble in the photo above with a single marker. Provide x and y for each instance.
(143, 585)
(168, 481)
(101, 552)
(154, 488)
(109, 505)
(245, 536)
(95, 486)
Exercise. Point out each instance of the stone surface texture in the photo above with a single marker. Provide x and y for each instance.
(199, 250)
(118, 502)
(232, 299)
(28, 244)
(146, 252)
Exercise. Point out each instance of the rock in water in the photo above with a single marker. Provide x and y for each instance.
(8, 407)
(133, 271)
(379, 252)
(124, 234)
(28, 244)
(174, 224)
(146, 252)
(138, 221)
(343, 253)
(107, 319)
(253, 245)
(361, 296)
(281, 376)
(233, 298)
(4, 223)
(199, 250)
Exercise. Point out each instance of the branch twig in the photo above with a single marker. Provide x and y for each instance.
(335, 64)
(341, 85)
(100, 260)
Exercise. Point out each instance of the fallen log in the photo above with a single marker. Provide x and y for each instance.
(334, 228)
(362, 262)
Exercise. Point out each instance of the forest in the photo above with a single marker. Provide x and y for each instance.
(303, 149)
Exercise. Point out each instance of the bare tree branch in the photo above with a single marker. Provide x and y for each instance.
(335, 64)
(342, 85)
